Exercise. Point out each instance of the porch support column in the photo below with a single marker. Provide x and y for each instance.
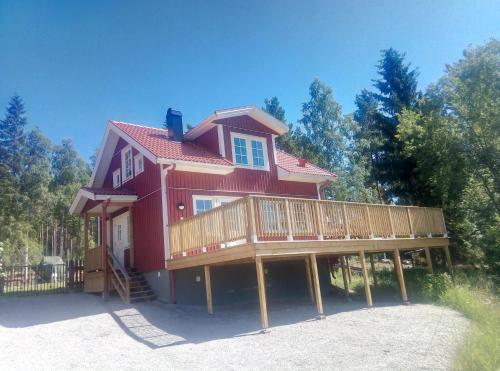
(262, 293)
(374, 273)
(448, 259)
(86, 234)
(131, 235)
(349, 273)
(399, 272)
(317, 289)
(428, 260)
(208, 289)
(344, 275)
(366, 280)
(104, 239)
(309, 281)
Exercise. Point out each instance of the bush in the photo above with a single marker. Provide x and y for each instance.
(434, 286)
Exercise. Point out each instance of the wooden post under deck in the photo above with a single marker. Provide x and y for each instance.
(428, 260)
(309, 281)
(262, 293)
(349, 273)
(317, 289)
(344, 274)
(104, 239)
(366, 280)
(374, 273)
(208, 289)
(399, 272)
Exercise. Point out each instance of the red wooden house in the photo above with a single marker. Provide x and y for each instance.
(183, 215)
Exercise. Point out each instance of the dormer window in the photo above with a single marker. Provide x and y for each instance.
(117, 181)
(127, 163)
(249, 151)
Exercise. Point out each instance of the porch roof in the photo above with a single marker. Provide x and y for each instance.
(119, 195)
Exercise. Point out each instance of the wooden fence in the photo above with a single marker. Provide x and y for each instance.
(42, 278)
(263, 218)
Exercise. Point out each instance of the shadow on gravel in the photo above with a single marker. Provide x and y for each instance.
(159, 325)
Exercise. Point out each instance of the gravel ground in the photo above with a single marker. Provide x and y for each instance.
(78, 331)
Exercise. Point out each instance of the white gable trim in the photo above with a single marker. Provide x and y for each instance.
(256, 113)
(83, 195)
(106, 152)
(303, 178)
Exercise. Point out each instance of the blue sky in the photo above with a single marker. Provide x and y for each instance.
(78, 64)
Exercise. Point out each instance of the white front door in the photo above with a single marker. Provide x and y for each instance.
(120, 237)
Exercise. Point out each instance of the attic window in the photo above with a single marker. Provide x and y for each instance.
(127, 163)
(138, 164)
(116, 178)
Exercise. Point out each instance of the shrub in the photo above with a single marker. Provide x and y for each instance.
(434, 286)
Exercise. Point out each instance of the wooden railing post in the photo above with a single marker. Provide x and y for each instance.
(346, 223)
(252, 233)
(319, 218)
(445, 232)
(288, 221)
(225, 230)
(410, 224)
(391, 221)
(428, 222)
(370, 228)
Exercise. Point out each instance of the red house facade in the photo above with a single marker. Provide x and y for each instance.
(153, 177)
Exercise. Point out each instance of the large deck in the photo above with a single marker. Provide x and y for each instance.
(261, 228)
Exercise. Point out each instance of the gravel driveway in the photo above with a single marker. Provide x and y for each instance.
(79, 331)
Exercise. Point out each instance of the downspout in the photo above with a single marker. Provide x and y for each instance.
(164, 207)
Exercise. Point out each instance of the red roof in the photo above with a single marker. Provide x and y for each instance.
(291, 164)
(159, 144)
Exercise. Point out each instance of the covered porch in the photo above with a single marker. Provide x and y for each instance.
(110, 257)
(261, 229)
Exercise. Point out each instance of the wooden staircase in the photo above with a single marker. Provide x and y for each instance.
(128, 283)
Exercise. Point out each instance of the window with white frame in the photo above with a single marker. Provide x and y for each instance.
(204, 203)
(127, 163)
(138, 164)
(249, 151)
(116, 178)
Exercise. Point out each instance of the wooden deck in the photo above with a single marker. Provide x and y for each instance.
(260, 229)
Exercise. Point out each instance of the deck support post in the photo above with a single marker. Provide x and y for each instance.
(366, 280)
(428, 260)
(262, 293)
(86, 234)
(309, 280)
(104, 243)
(374, 273)
(344, 275)
(349, 272)
(448, 259)
(208, 289)
(399, 271)
(317, 289)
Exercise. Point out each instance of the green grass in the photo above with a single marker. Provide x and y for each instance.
(471, 293)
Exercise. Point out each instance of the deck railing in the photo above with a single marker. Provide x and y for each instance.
(263, 218)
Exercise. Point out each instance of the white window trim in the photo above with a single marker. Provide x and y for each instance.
(124, 151)
(138, 157)
(117, 171)
(216, 200)
(248, 140)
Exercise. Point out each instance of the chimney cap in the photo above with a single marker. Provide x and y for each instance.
(302, 162)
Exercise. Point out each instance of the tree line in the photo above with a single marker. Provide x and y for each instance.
(438, 147)
(38, 180)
